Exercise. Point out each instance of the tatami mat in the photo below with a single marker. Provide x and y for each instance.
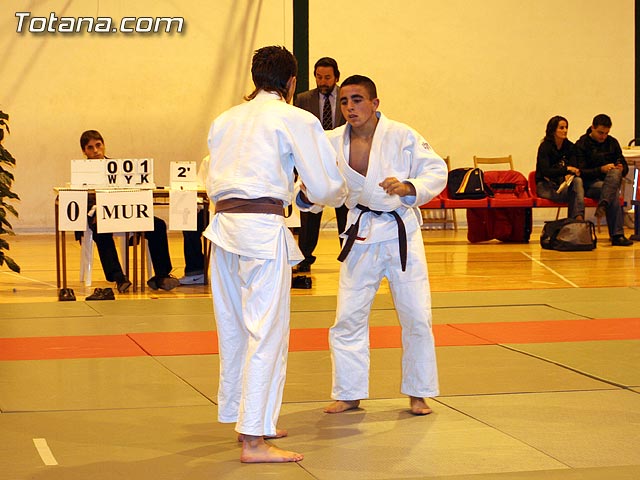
(616, 361)
(100, 383)
(523, 395)
(580, 429)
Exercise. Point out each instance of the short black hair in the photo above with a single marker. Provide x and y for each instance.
(89, 135)
(271, 69)
(366, 82)
(602, 120)
(328, 62)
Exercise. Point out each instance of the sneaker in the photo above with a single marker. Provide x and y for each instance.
(601, 211)
(168, 283)
(621, 241)
(197, 279)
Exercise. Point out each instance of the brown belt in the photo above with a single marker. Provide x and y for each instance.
(250, 205)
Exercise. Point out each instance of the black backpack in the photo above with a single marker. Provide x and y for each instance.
(467, 183)
(568, 235)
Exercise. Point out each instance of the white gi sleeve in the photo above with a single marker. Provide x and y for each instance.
(316, 163)
(427, 172)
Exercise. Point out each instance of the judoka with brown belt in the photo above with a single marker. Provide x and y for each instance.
(254, 148)
(390, 171)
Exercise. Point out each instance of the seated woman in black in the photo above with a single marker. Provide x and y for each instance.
(557, 176)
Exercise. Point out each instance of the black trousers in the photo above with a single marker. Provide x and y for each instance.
(193, 247)
(158, 249)
(310, 230)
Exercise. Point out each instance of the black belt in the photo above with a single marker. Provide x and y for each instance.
(352, 234)
(250, 205)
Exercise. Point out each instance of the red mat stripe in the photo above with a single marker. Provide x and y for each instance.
(555, 331)
(52, 348)
(316, 339)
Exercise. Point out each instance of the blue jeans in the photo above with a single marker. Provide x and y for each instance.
(607, 191)
(573, 195)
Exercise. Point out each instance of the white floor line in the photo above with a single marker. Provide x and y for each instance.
(44, 451)
(564, 279)
(19, 275)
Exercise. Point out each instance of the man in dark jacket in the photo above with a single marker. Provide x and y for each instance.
(323, 103)
(602, 168)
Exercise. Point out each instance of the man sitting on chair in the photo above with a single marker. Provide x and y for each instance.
(92, 145)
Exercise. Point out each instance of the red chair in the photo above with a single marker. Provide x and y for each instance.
(543, 202)
(509, 187)
(463, 203)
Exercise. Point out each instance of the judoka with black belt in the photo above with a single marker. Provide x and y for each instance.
(390, 171)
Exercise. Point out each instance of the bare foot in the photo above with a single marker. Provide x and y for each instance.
(256, 450)
(419, 406)
(340, 406)
(280, 433)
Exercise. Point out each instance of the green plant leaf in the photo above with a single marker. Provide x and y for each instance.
(10, 208)
(11, 264)
(6, 176)
(3, 220)
(5, 156)
(5, 192)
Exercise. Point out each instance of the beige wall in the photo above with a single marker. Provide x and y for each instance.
(479, 77)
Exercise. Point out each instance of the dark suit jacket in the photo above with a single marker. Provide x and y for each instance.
(310, 101)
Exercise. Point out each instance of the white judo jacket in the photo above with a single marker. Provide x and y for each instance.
(398, 151)
(253, 150)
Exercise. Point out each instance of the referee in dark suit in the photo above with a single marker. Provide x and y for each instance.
(324, 103)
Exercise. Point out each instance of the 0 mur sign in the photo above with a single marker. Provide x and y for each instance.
(54, 24)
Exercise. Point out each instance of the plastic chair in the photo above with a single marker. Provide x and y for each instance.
(86, 255)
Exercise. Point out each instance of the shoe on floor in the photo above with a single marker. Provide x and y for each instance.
(301, 281)
(165, 283)
(621, 241)
(102, 294)
(302, 267)
(168, 283)
(601, 211)
(123, 285)
(153, 283)
(66, 295)
(197, 279)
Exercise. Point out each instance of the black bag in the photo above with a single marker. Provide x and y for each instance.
(568, 235)
(467, 183)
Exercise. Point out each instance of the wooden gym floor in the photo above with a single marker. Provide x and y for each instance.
(538, 353)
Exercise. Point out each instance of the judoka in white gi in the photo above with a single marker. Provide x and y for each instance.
(390, 171)
(254, 148)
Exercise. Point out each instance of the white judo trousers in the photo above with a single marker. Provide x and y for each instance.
(251, 300)
(360, 276)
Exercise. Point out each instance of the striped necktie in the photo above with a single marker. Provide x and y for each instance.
(327, 121)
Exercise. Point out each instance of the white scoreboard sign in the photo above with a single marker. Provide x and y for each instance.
(112, 172)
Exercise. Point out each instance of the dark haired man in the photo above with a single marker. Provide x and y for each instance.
(602, 168)
(93, 147)
(254, 148)
(322, 101)
(390, 171)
